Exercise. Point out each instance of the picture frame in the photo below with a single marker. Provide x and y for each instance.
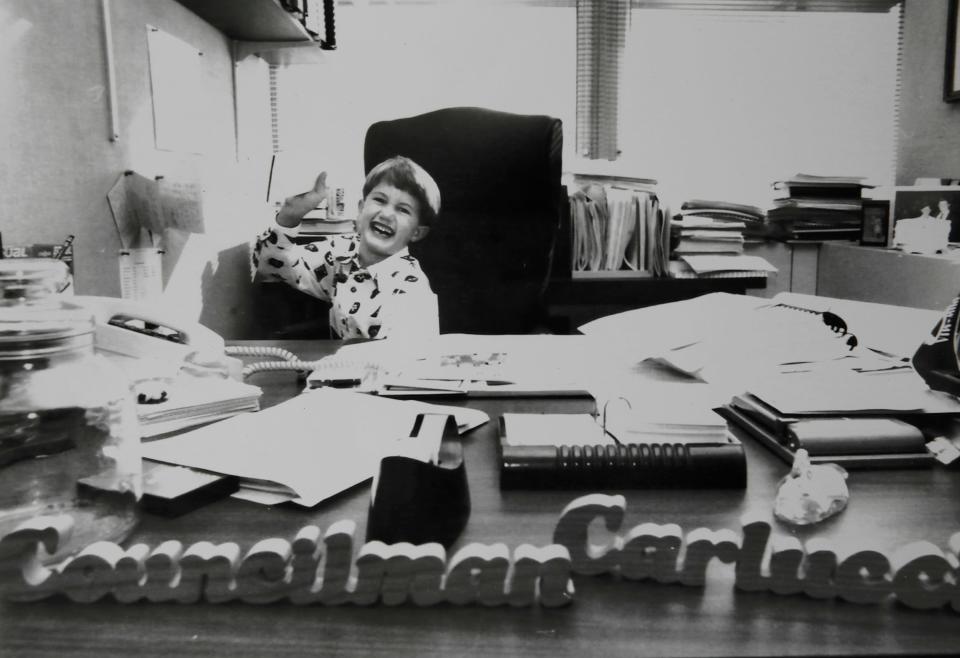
(936, 202)
(951, 69)
(875, 224)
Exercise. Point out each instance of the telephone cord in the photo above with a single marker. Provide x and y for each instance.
(292, 364)
(258, 350)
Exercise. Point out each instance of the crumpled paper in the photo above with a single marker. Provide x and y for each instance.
(811, 492)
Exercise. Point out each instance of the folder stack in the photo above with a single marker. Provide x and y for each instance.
(618, 224)
(850, 430)
(817, 208)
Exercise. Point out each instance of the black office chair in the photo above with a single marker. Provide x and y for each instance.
(489, 256)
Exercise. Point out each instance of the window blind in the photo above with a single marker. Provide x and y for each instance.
(601, 31)
(719, 105)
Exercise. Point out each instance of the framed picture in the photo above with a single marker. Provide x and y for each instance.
(875, 223)
(951, 69)
(929, 202)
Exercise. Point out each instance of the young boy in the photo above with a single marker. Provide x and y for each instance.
(375, 287)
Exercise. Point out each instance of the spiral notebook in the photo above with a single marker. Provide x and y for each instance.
(574, 451)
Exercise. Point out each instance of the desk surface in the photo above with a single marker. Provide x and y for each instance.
(609, 617)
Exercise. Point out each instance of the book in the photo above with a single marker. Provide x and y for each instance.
(700, 206)
(544, 451)
(846, 442)
(701, 246)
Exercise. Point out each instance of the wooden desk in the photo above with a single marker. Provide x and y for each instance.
(609, 617)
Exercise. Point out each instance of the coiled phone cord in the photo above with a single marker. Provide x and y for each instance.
(289, 360)
(340, 372)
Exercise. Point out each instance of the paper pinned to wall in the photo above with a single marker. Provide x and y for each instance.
(143, 208)
(141, 274)
(178, 96)
(182, 204)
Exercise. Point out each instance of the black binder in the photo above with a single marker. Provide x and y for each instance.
(717, 464)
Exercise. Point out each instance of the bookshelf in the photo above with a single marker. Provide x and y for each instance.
(260, 27)
(575, 298)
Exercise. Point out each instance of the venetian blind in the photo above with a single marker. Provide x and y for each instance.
(601, 31)
(721, 104)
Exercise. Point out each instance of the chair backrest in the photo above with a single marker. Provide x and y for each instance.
(489, 256)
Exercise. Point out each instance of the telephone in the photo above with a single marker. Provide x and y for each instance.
(135, 329)
(163, 342)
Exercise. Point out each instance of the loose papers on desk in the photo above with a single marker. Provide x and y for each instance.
(488, 365)
(736, 339)
(313, 446)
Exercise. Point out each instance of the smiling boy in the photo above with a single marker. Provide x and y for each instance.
(375, 287)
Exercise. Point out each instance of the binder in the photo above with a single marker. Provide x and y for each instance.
(600, 462)
(898, 447)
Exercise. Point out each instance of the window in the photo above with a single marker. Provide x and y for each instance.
(719, 105)
(713, 104)
(400, 60)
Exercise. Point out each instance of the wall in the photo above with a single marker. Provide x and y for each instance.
(929, 139)
(58, 161)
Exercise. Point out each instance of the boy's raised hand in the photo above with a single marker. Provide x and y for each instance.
(295, 207)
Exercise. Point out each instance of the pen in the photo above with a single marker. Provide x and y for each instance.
(63, 248)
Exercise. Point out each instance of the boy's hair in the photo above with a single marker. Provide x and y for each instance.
(405, 174)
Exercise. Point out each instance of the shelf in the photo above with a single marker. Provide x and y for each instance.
(250, 20)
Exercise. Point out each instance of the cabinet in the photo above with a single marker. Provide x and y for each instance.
(889, 276)
(796, 261)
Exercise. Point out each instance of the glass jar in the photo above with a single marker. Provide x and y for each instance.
(69, 438)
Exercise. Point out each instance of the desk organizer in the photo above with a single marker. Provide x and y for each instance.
(418, 502)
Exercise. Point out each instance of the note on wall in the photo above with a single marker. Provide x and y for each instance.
(141, 274)
(179, 116)
(182, 203)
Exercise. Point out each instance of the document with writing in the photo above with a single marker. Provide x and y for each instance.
(314, 446)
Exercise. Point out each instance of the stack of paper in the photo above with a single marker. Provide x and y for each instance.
(661, 412)
(306, 449)
(196, 400)
(720, 266)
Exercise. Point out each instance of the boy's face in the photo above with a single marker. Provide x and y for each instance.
(388, 220)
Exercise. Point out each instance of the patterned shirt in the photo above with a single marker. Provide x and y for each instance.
(389, 298)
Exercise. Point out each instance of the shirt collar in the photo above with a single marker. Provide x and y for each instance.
(388, 264)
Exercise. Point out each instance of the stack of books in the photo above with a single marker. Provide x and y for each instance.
(810, 207)
(710, 227)
(709, 238)
(618, 224)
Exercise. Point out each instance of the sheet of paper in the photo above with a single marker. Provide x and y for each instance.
(128, 227)
(814, 393)
(508, 364)
(141, 274)
(180, 114)
(317, 444)
(530, 429)
(182, 204)
(895, 330)
(719, 263)
(143, 200)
